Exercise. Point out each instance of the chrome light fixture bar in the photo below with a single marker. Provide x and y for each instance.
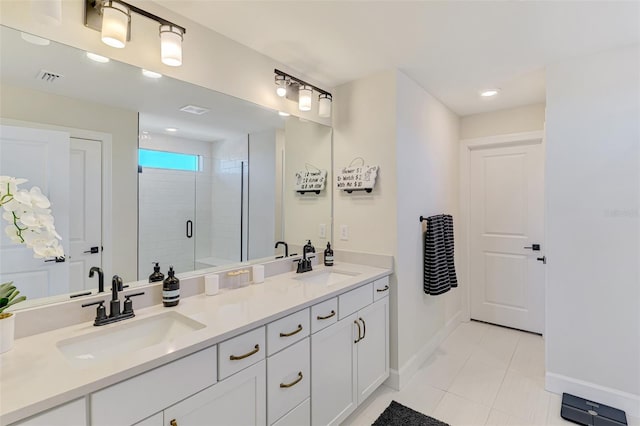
(113, 19)
(285, 83)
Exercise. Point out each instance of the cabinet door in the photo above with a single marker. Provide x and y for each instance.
(333, 364)
(73, 413)
(373, 348)
(237, 400)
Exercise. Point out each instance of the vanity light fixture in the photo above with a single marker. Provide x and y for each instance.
(304, 98)
(97, 58)
(113, 19)
(290, 86)
(151, 74)
(324, 105)
(489, 93)
(47, 11)
(282, 81)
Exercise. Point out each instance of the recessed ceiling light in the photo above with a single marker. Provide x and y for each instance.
(97, 58)
(151, 74)
(39, 41)
(192, 109)
(171, 129)
(283, 114)
(489, 93)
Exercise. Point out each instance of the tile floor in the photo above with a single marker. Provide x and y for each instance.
(480, 375)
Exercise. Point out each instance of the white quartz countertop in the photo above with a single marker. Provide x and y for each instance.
(36, 376)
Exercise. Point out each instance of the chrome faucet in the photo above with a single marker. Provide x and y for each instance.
(100, 277)
(286, 248)
(114, 306)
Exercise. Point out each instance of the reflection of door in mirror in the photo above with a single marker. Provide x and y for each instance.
(55, 163)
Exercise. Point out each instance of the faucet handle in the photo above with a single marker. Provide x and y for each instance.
(101, 311)
(128, 304)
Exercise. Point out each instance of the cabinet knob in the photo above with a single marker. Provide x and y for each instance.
(173, 422)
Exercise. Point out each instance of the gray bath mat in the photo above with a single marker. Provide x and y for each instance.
(398, 415)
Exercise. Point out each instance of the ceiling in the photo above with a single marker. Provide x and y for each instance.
(453, 49)
(123, 86)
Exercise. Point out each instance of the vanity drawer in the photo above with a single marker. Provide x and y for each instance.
(324, 314)
(380, 288)
(288, 380)
(286, 331)
(354, 300)
(240, 352)
(72, 413)
(141, 396)
(299, 416)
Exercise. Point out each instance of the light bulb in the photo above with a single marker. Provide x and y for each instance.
(115, 24)
(304, 98)
(171, 45)
(281, 82)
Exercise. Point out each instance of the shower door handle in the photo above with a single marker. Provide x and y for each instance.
(189, 229)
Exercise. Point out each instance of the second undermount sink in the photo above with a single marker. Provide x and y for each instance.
(121, 339)
(326, 277)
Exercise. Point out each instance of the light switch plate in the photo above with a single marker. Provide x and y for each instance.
(344, 232)
(322, 231)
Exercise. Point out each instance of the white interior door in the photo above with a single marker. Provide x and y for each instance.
(42, 157)
(85, 226)
(506, 213)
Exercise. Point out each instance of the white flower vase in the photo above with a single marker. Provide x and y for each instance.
(7, 329)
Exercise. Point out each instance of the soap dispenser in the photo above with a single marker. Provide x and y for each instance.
(328, 255)
(171, 289)
(157, 275)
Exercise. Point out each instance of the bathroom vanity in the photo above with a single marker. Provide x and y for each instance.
(297, 349)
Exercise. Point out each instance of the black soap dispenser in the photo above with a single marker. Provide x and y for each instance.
(157, 275)
(328, 255)
(171, 289)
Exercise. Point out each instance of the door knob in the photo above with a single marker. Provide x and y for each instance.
(534, 247)
(93, 250)
(542, 259)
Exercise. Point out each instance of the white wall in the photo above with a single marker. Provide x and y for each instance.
(262, 193)
(47, 108)
(391, 121)
(512, 120)
(307, 144)
(593, 227)
(427, 184)
(209, 59)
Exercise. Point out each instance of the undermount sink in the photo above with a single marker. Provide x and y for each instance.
(326, 277)
(124, 338)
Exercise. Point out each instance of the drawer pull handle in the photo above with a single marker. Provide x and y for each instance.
(364, 328)
(173, 422)
(359, 331)
(248, 354)
(332, 314)
(296, 331)
(380, 290)
(295, 382)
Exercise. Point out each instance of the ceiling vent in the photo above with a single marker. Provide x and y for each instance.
(192, 109)
(48, 76)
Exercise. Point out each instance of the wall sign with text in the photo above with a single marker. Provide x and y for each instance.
(357, 178)
(310, 181)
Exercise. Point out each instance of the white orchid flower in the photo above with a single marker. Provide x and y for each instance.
(31, 221)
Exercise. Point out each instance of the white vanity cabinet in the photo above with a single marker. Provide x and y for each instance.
(72, 413)
(350, 358)
(238, 400)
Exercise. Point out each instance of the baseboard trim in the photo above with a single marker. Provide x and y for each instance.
(628, 402)
(399, 378)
